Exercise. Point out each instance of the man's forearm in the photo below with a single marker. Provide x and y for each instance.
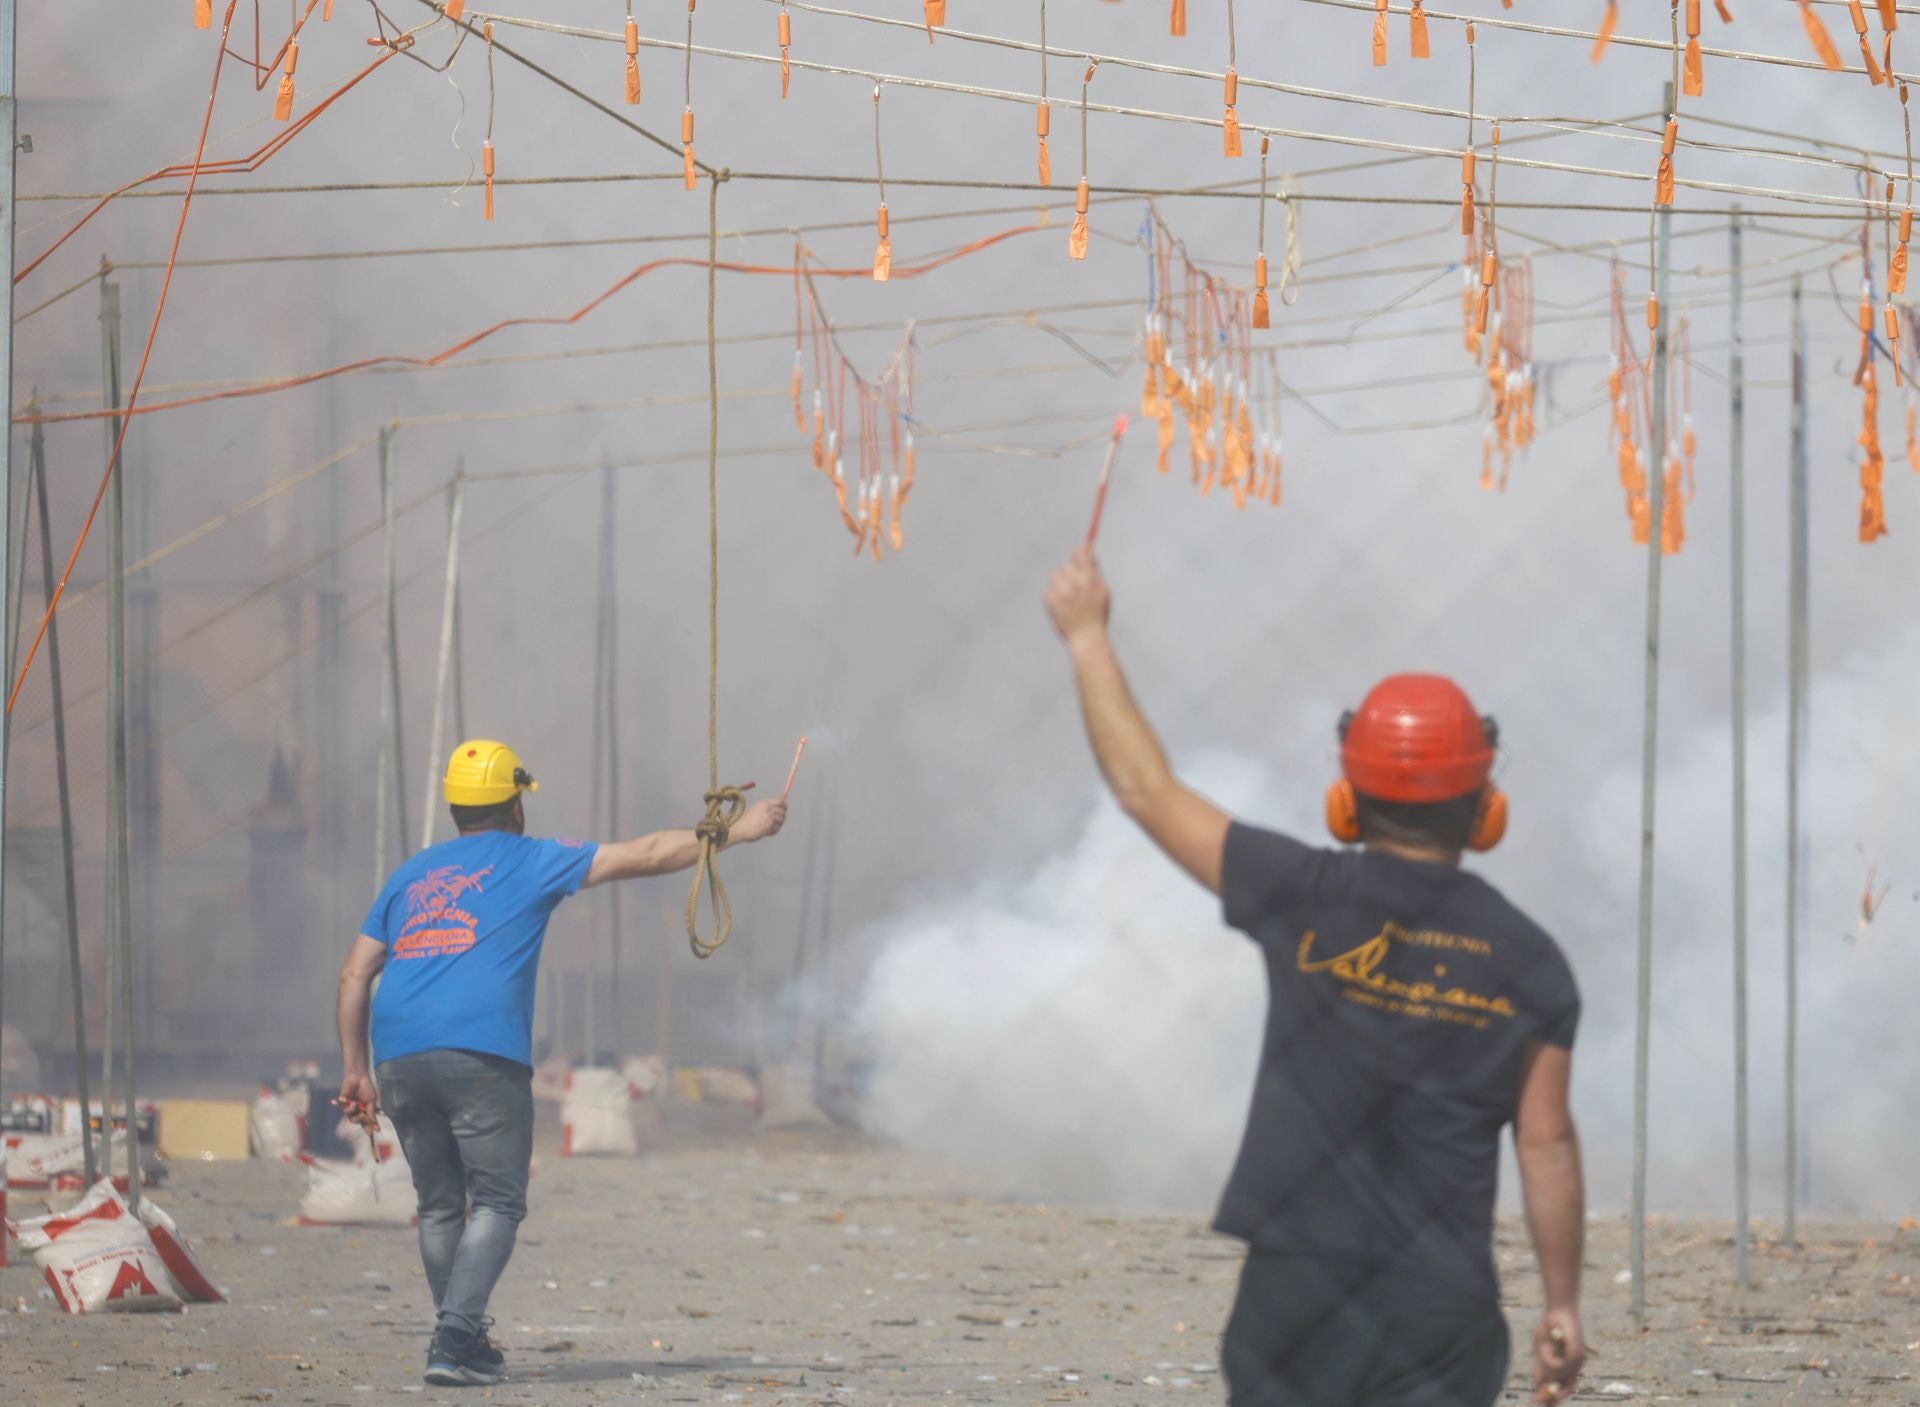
(1128, 754)
(1556, 1215)
(355, 1004)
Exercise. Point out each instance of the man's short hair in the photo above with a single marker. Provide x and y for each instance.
(1443, 824)
(497, 817)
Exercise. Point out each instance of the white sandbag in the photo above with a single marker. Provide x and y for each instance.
(98, 1257)
(276, 1127)
(38, 1161)
(722, 1086)
(786, 1098)
(189, 1276)
(596, 1114)
(358, 1193)
(646, 1075)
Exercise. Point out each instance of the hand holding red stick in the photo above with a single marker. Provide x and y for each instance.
(1106, 475)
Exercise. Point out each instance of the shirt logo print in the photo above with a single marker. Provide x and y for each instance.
(436, 925)
(1358, 971)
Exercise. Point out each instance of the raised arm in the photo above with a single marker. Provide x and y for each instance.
(1547, 1147)
(667, 852)
(1187, 826)
(363, 964)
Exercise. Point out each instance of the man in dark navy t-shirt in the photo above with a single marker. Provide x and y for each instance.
(1413, 1014)
(455, 937)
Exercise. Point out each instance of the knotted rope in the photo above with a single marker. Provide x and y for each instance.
(725, 805)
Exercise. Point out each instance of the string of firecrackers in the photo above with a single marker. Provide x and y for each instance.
(1880, 69)
(880, 434)
(1630, 423)
(1207, 381)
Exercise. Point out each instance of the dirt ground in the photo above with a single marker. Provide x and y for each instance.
(779, 1269)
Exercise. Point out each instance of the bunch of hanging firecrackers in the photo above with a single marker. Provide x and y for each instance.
(1496, 308)
(1630, 425)
(1209, 382)
(1873, 464)
(878, 439)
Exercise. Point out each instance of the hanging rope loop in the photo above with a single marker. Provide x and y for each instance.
(725, 807)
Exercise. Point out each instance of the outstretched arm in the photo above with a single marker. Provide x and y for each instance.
(667, 852)
(1191, 829)
(1547, 1147)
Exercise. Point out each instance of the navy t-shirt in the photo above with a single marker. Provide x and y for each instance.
(1404, 999)
(462, 923)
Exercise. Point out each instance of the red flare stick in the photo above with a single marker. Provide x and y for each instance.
(1106, 476)
(788, 789)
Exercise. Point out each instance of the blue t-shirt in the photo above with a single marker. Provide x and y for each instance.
(462, 923)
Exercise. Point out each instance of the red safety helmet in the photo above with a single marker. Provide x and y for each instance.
(1416, 738)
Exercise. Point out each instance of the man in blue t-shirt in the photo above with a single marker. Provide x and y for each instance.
(456, 932)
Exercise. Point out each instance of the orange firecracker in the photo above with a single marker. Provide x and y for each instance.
(1262, 313)
(1177, 21)
(1897, 266)
(1417, 31)
(1077, 238)
(1889, 16)
(1043, 126)
(936, 13)
(1380, 34)
(203, 14)
(455, 8)
(883, 253)
(786, 41)
(1230, 126)
(1695, 79)
(1663, 177)
(1467, 159)
(486, 170)
(1818, 36)
(1859, 18)
(1608, 23)
(689, 175)
(283, 103)
(633, 61)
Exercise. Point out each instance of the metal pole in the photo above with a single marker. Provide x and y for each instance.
(459, 652)
(75, 977)
(1737, 454)
(610, 712)
(1649, 755)
(9, 126)
(1796, 747)
(392, 596)
(119, 851)
(456, 492)
(114, 922)
(388, 690)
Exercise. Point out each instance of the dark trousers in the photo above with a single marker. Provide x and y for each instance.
(1330, 1331)
(466, 1125)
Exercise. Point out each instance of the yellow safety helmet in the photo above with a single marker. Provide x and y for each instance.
(482, 772)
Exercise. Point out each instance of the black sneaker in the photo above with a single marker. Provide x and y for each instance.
(457, 1358)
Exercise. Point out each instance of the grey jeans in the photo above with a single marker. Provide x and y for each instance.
(465, 1122)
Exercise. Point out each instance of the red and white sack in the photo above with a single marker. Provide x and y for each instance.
(276, 1128)
(597, 1114)
(38, 1161)
(189, 1277)
(358, 1193)
(98, 1257)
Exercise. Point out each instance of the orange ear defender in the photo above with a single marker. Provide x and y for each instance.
(1343, 813)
